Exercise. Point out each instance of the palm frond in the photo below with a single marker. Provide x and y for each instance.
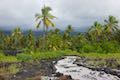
(51, 16)
(38, 16)
(38, 25)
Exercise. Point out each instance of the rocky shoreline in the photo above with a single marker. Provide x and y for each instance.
(43, 70)
(46, 69)
(109, 70)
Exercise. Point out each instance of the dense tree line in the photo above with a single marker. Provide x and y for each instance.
(100, 38)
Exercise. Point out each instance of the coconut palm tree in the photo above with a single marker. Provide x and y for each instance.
(111, 25)
(67, 37)
(30, 40)
(17, 32)
(81, 38)
(46, 19)
(95, 31)
(17, 37)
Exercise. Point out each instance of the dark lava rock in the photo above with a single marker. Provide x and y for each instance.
(118, 67)
(44, 68)
(101, 73)
(58, 74)
(12, 52)
(63, 77)
(115, 72)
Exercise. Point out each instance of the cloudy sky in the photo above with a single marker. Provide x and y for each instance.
(79, 13)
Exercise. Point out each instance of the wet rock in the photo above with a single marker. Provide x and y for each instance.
(58, 74)
(115, 72)
(118, 67)
(101, 73)
(79, 63)
(2, 78)
(54, 62)
(65, 77)
(92, 73)
(107, 70)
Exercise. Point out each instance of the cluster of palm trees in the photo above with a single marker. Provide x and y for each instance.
(99, 38)
(106, 31)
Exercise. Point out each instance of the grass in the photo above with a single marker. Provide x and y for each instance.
(7, 59)
(44, 55)
(7, 72)
(102, 56)
(36, 56)
(111, 60)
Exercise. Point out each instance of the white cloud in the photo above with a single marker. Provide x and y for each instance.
(79, 13)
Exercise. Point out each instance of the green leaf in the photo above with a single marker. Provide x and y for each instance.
(38, 25)
(38, 16)
(51, 16)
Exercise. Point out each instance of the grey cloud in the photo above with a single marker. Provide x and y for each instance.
(79, 13)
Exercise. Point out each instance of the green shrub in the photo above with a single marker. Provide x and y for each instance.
(4, 58)
(110, 47)
(24, 57)
(87, 48)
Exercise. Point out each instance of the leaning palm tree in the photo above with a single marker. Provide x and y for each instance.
(111, 25)
(46, 19)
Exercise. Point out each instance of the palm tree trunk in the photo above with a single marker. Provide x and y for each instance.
(44, 36)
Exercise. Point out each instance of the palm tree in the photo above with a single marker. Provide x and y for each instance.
(57, 31)
(30, 40)
(67, 32)
(17, 37)
(95, 31)
(67, 37)
(8, 43)
(46, 18)
(17, 32)
(81, 38)
(111, 25)
(69, 29)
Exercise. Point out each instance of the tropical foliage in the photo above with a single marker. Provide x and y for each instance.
(100, 38)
